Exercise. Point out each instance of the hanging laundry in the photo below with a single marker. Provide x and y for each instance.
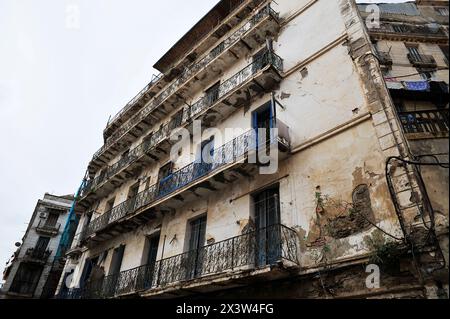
(394, 85)
(417, 85)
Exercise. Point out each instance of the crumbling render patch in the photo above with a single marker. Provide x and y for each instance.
(357, 217)
(339, 219)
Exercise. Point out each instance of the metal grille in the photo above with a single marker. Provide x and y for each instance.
(238, 253)
(231, 152)
(434, 121)
(187, 74)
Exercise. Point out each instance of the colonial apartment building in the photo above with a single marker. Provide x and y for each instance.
(411, 43)
(32, 273)
(294, 85)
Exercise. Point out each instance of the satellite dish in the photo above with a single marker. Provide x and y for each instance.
(17, 244)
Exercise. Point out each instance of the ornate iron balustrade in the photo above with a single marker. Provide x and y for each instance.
(433, 121)
(72, 293)
(384, 58)
(256, 249)
(229, 153)
(422, 60)
(22, 287)
(48, 228)
(155, 79)
(37, 254)
(187, 74)
(76, 242)
(189, 113)
(407, 30)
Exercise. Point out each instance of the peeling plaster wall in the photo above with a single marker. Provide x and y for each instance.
(337, 95)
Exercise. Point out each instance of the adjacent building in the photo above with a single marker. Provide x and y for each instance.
(32, 272)
(411, 43)
(300, 182)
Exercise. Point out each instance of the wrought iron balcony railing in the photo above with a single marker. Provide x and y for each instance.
(22, 287)
(37, 254)
(433, 121)
(254, 250)
(187, 74)
(71, 293)
(229, 153)
(189, 113)
(43, 227)
(154, 80)
(75, 247)
(422, 60)
(408, 31)
(385, 58)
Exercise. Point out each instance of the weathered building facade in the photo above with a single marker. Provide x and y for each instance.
(32, 272)
(411, 43)
(300, 81)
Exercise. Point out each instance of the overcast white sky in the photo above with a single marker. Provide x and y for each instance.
(59, 85)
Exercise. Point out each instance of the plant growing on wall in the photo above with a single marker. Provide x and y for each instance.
(385, 253)
(338, 218)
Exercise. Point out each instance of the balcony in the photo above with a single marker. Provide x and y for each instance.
(244, 40)
(48, 229)
(262, 75)
(264, 254)
(21, 289)
(75, 248)
(432, 122)
(405, 33)
(144, 96)
(229, 163)
(39, 256)
(422, 61)
(385, 58)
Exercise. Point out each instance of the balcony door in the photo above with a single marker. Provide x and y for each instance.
(414, 52)
(165, 181)
(267, 220)
(263, 118)
(204, 158)
(260, 60)
(148, 272)
(132, 193)
(110, 205)
(26, 279)
(41, 246)
(88, 284)
(194, 257)
(114, 271)
(212, 94)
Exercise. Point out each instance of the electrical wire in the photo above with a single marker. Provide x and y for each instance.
(417, 73)
(430, 229)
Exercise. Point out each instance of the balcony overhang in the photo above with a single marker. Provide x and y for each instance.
(219, 282)
(49, 230)
(219, 20)
(252, 34)
(235, 160)
(74, 252)
(35, 260)
(411, 37)
(137, 103)
(268, 253)
(236, 92)
(223, 17)
(18, 295)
